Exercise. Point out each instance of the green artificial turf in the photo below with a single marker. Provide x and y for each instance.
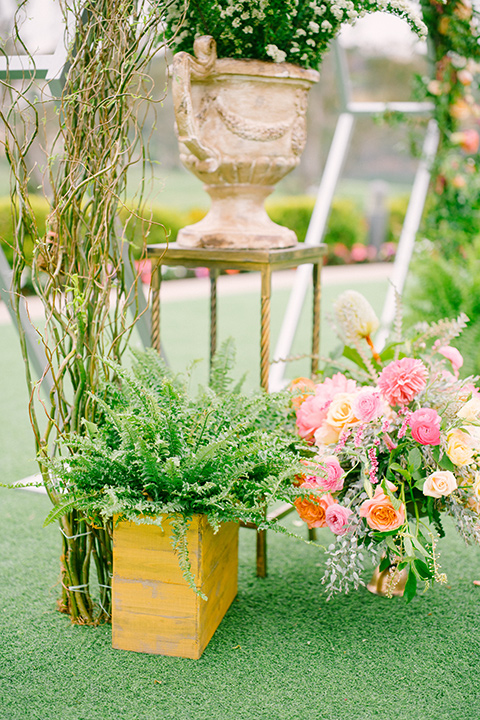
(281, 653)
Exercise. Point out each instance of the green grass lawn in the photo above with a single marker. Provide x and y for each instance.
(281, 653)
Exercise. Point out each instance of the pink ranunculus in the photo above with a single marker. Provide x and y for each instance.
(425, 426)
(402, 379)
(453, 355)
(334, 476)
(336, 517)
(367, 405)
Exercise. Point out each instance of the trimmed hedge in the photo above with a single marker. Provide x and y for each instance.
(347, 226)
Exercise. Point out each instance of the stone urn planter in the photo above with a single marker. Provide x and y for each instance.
(241, 127)
(154, 610)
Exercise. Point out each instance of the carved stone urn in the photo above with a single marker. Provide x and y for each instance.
(241, 127)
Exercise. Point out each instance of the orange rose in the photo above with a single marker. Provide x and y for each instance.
(380, 513)
(312, 508)
(301, 388)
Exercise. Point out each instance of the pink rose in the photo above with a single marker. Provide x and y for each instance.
(337, 518)
(380, 513)
(334, 475)
(402, 379)
(425, 426)
(453, 355)
(367, 405)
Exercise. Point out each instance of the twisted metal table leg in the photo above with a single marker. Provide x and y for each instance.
(265, 326)
(156, 283)
(213, 314)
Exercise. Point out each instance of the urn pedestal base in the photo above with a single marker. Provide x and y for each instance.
(237, 219)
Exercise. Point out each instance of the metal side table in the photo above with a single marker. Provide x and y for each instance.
(263, 261)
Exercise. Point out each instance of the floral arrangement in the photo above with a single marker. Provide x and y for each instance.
(295, 31)
(394, 444)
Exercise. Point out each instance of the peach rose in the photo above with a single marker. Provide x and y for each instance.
(380, 513)
(459, 447)
(340, 412)
(439, 484)
(471, 410)
(326, 435)
(312, 508)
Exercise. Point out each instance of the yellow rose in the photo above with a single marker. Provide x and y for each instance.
(340, 412)
(440, 483)
(459, 447)
(471, 410)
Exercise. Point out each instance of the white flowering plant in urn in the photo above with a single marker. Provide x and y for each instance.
(394, 441)
(240, 80)
(293, 31)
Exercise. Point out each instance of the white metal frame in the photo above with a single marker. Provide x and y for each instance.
(318, 222)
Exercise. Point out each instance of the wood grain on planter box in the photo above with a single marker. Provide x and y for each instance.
(154, 610)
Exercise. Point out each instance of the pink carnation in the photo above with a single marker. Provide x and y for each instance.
(334, 479)
(336, 517)
(401, 380)
(425, 426)
(367, 405)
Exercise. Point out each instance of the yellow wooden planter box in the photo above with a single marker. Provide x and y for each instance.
(153, 608)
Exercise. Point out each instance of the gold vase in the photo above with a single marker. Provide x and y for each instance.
(388, 583)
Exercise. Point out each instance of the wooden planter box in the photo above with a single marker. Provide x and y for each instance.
(153, 608)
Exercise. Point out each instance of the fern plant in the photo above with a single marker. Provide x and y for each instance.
(160, 453)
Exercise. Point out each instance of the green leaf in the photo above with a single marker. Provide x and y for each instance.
(407, 544)
(399, 469)
(394, 500)
(419, 546)
(385, 564)
(423, 570)
(410, 586)
(367, 485)
(415, 459)
(446, 464)
(388, 353)
(354, 356)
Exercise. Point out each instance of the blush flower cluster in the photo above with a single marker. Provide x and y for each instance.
(389, 455)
